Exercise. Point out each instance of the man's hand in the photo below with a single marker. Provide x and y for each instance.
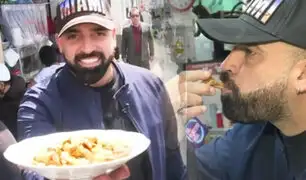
(151, 58)
(119, 174)
(186, 92)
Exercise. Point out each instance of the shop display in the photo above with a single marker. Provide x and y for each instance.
(25, 27)
(182, 46)
(26, 24)
(181, 5)
(179, 47)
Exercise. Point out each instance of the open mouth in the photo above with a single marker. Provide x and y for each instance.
(90, 62)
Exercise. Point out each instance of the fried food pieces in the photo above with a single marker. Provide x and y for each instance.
(81, 151)
(212, 82)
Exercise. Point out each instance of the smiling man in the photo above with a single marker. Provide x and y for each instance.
(92, 91)
(265, 87)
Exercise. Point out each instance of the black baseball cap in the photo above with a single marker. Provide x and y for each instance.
(72, 12)
(263, 21)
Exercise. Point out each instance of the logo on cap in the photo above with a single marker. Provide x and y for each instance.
(68, 7)
(262, 10)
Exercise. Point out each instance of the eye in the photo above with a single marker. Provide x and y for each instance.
(101, 33)
(247, 51)
(71, 36)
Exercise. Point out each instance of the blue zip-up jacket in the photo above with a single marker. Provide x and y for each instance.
(64, 104)
(246, 152)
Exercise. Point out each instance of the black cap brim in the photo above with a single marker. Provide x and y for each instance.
(234, 31)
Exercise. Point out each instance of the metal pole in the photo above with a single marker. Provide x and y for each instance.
(1, 51)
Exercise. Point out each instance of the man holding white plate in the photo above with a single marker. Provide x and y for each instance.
(92, 91)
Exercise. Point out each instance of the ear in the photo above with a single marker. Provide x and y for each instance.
(114, 33)
(298, 75)
(59, 43)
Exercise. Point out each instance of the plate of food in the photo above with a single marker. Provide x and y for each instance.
(83, 154)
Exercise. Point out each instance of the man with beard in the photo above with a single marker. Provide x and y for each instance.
(265, 94)
(92, 91)
(265, 85)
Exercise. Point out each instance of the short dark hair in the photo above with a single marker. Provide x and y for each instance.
(133, 9)
(47, 55)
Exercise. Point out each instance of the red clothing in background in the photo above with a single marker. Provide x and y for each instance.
(51, 26)
(137, 38)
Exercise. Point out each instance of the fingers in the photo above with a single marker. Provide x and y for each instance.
(193, 111)
(198, 88)
(194, 75)
(188, 99)
(119, 174)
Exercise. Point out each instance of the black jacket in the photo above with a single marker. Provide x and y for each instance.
(10, 102)
(8, 171)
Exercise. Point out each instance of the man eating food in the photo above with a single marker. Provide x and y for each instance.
(264, 93)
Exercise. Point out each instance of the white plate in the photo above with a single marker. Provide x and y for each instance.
(23, 153)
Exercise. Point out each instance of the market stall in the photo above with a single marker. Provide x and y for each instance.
(24, 29)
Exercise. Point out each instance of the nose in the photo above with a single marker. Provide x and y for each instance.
(87, 45)
(233, 62)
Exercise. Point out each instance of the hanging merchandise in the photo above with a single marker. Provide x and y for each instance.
(182, 46)
(25, 26)
(181, 5)
(179, 47)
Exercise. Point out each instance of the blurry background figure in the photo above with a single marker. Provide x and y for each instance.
(117, 53)
(49, 58)
(12, 89)
(8, 171)
(137, 44)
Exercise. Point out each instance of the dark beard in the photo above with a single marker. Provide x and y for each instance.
(90, 76)
(262, 105)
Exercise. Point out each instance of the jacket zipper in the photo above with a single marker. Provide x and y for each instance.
(126, 111)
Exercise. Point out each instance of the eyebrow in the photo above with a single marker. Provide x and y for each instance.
(99, 28)
(246, 46)
(71, 30)
(75, 30)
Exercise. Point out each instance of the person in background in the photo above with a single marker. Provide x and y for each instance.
(7, 170)
(137, 45)
(94, 91)
(49, 58)
(117, 53)
(12, 89)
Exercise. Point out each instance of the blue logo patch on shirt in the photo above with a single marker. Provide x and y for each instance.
(196, 131)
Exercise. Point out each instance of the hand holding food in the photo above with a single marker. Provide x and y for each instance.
(187, 89)
(81, 151)
(214, 83)
(119, 174)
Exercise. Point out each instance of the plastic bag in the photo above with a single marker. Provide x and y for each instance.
(25, 24)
